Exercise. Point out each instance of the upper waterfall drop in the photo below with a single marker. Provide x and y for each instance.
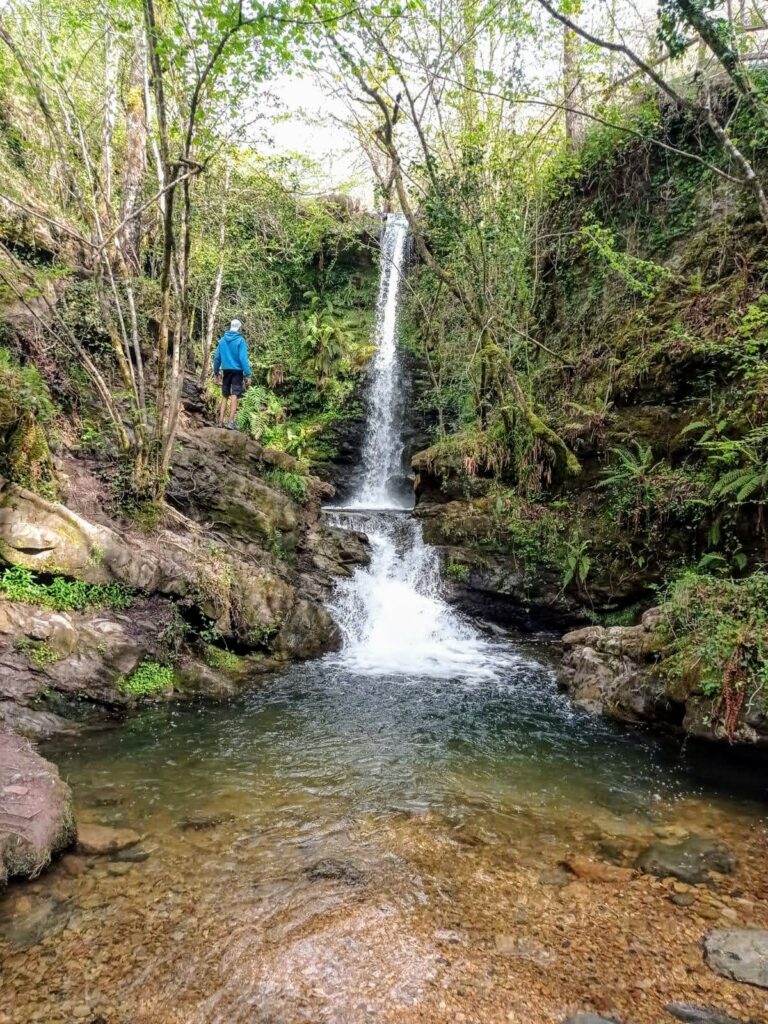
(383, 448)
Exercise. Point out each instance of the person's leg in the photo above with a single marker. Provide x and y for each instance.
(226, 385)
(236, 391)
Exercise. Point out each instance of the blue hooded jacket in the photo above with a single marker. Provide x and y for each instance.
(232, 354)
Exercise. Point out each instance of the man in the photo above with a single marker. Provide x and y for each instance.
(231, 369)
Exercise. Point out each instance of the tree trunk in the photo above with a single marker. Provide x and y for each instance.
(129, 236)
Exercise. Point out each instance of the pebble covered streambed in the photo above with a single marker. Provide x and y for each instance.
(429, 853)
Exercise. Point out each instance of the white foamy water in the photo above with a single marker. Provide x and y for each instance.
(393, 618)
(392, 615)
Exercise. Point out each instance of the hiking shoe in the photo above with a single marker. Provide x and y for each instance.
(231, 425)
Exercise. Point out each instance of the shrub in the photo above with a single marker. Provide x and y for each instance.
(40, 654)
(149, 679)
(62, 595)
(457, 571)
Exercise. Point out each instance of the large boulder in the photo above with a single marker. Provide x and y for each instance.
(739, 953)
(48, 537)
(618, 671)
(689, 861)
(36, 819)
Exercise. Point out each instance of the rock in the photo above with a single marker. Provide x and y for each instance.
(690, 861)
(36, 821)
(739, 953)
(118, 868)
(683, 899)
(200, 822)
(335, 870)
(589, 1018)
(48, 537)
(27, 928)
(217, 477)
(34, 724)
(101, 839)
(699, 1014)
(596, 871)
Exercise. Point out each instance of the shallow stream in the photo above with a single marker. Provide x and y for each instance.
(343, 847)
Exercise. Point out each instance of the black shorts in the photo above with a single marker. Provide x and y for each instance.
(232, 383)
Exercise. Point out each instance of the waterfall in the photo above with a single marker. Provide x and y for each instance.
(382, 447)
(392, 615)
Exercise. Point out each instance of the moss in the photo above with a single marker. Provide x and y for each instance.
(221, 659)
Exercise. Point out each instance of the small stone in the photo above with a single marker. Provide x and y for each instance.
(558, 877)
(683, 899)
(73, 865)
(597, 871)
(132, 855)
(336, 871)
(118, 868)
(201, 822)
(100, 839)
(81, 1012)
(588, 1018)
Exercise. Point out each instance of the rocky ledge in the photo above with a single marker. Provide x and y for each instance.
(232, 586)
(619, 671)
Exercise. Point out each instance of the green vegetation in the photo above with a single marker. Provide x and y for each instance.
(60, 594)
(39, 652)
(294, 484)
(457, 571)
(718, 631)
(149, 679)
(27, 418)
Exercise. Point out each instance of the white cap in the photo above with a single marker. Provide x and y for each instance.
(235, 325)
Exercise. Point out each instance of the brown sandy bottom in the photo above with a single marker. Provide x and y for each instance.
(395, 918)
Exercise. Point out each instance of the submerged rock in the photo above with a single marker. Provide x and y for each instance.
(739, 953)
(597, 871)
(36, 819)
(330, 869)
(102, 840)
(690, 861)
(700, 1014)
(589, 1018)
(201, 822)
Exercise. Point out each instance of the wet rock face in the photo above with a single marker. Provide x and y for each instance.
(739, 953)
(36, 819)
(689, 861)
